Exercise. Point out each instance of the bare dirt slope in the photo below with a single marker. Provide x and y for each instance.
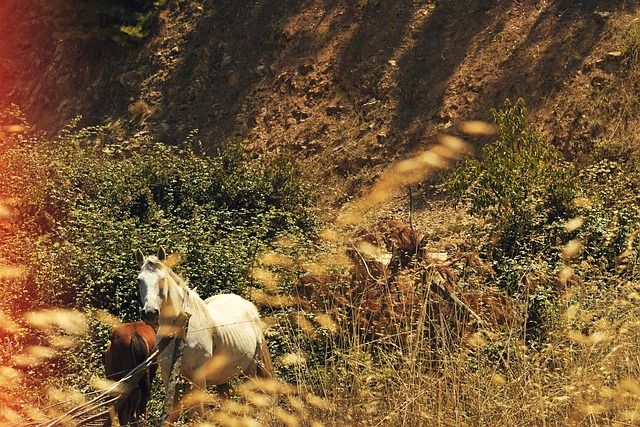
(348, 87)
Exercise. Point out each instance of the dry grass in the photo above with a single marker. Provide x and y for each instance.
(588, 373)
(372, 346)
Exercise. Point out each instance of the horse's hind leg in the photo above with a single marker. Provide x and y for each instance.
(111, 416)
(264, 365)
(125, 413)
(137, 409)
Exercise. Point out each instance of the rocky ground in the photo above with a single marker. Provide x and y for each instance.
(347, 87)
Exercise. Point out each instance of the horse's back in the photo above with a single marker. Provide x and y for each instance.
(146, 332)
(233, 305)
(232, 314)
(130, 345)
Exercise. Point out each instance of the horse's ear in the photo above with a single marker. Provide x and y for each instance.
(162, 255)
(140, 257)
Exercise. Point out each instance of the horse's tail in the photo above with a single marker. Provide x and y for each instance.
(106, 359)
(265, 365)
(139, 353)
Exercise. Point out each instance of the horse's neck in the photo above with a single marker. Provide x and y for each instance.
(189, 301)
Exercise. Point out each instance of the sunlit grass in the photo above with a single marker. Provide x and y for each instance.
(398, 348)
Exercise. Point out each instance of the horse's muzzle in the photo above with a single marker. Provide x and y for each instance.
(151, 317)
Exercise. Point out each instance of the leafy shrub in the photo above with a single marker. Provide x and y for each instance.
(529, 193)
(526, 189)
(85, 208)
(611, 216)
(521, 183)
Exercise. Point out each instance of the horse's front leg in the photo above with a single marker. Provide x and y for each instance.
(202, 389)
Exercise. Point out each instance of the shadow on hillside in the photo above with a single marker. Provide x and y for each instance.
(442, 44)
(537, 75)
(404, 53)
(239, 45)
(243, 41)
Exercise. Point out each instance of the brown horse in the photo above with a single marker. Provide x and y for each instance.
(130, 345)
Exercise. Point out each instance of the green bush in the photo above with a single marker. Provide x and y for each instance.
(525, 189)
(85, 208)
(611, 216)
(521, 184)
(528, 193)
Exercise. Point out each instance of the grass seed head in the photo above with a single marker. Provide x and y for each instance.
(194, 397)
(304, 324)
(265, 386)
(571, 249)
(326, 322)
(287, 418)
(291, 359)
(271, 258)
(107, 318)
(12, 272)
(477, 340)
(266, 278)
(7, 324)
(62, 341)
(317, 402)
(315, 268)
(478, 128)
(331, 235)
(14, 128)
(69, 321)
(574, 224)
(498, 379)
(267, 300)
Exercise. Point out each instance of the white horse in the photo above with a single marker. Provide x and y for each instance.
(224, 339)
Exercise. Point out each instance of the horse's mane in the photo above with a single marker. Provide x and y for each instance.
(192, 299)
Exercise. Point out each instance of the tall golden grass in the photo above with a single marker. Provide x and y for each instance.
(587, 374)
(421, 369)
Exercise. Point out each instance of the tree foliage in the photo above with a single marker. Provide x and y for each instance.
(536, 203)
(521, 183)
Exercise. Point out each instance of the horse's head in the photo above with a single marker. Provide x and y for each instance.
(153, 284)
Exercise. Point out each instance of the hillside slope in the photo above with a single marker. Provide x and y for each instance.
(441, 324)
(349, 87)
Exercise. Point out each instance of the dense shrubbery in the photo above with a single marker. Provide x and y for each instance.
(81, 207)
(85, 208)
(525, 188)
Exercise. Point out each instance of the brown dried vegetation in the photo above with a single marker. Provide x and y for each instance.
(393, 281)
